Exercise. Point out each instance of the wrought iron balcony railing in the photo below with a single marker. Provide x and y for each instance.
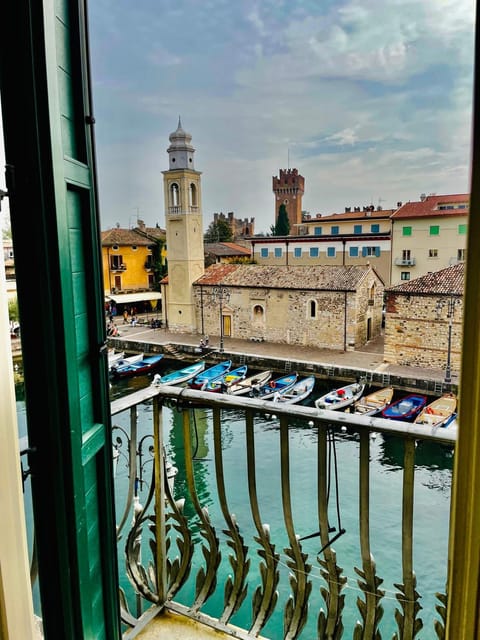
(177, 545)
(404, 262)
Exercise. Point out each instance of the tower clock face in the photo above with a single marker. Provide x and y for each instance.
(285, 202)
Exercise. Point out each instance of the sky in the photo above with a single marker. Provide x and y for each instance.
(369, 99)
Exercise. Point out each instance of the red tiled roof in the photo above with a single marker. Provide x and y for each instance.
(226, 249)
(123, 237)
(430, 207)
(327, 278)
(446, 281)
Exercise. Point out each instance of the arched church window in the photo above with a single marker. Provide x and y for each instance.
(258, 311)
(193, 195)
(312, 308)
(174, 195)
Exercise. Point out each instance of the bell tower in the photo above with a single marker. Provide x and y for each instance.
(184, 231)
(289, 189)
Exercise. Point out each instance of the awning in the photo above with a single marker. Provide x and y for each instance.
(127, 298)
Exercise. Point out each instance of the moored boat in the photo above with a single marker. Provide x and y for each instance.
(374, 402)
(439, 413)
(300, 391)
(123, 362)
(180, 375)
(278, 385)
(342, 397)
(145, 365)
(220, 385)
(217, 371)
(406, 408)
(245, 386)
(114, 357)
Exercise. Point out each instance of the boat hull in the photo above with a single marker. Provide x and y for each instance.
(405, 409)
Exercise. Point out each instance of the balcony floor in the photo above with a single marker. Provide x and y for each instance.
(170, 625)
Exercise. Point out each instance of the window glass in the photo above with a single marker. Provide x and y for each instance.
(278, 252)
(357, 228)
(335, 230)
(375, 228)
(317, 231)
(353, 251)
(405, 275)
(264, 253)
(314, 252)
(297, 252)
(433, 253)
(331, 252)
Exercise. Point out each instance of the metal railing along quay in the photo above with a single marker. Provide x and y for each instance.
(161, 541)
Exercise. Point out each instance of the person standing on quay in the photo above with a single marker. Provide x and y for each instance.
(125, 317)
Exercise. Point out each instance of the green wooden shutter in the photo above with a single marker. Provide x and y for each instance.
(49, 146)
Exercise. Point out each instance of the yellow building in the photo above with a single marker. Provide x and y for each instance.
(128, 264)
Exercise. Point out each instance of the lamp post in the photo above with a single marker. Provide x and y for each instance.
(221, 295)
(450, 302)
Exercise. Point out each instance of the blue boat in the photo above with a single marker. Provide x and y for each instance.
(277, 385)
(180, 375)
(227, 380)
(145, 365)
(210, 374)
(406, 408)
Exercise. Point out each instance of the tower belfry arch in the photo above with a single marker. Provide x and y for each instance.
(184, 231)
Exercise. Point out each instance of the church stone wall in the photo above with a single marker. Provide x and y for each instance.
(284, 316)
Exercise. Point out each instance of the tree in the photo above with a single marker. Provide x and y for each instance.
(282, 227)
(218, 231)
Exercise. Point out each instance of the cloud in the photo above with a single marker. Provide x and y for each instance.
(363, 97)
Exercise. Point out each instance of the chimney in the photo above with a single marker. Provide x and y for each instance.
(423, 197)
(399, 204)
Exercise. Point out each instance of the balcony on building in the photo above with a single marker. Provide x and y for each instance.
(118, 266)
(178, 544)
(404, 262)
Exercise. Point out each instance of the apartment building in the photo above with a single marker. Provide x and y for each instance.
(358, 237)
(429, 235)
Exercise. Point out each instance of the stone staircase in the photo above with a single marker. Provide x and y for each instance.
(171, 350)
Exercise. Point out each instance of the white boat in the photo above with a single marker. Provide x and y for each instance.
(245, 386)
(123, 362)
(438, 413)
(300, 390)
(114, 356)
(342, 397)
(373, 402)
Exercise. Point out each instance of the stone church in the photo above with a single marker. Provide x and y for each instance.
(337, 307)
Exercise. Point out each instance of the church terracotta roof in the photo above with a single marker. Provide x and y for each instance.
(446, 281)
(326, 278)
(432, 206)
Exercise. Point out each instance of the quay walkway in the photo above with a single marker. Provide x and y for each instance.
(326, 363)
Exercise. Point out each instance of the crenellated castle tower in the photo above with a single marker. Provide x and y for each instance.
(289, 189)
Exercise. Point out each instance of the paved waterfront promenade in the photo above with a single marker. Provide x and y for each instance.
(370, 358)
